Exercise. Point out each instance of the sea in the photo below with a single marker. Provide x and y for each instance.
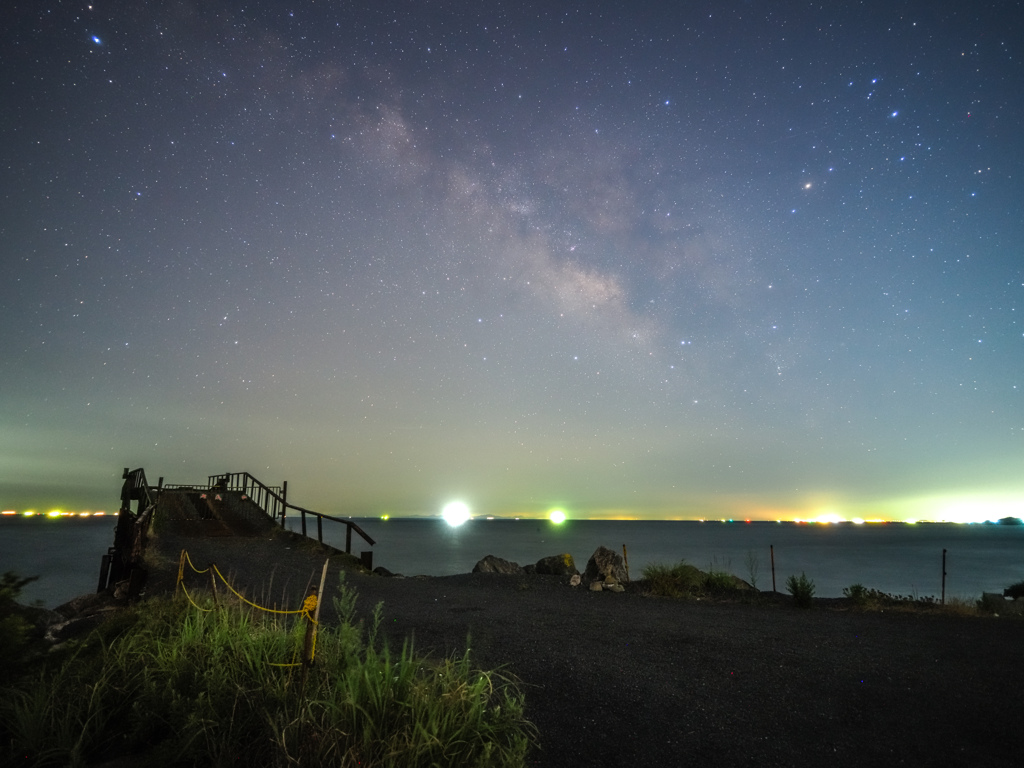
(896, 558)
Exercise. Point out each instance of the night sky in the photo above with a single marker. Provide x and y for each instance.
(693, 259)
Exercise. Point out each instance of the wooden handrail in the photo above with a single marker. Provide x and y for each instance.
(246, 483)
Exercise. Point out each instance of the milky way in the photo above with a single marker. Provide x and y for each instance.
(714, 260)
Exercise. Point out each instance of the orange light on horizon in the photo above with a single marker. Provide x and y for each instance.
(8, 512)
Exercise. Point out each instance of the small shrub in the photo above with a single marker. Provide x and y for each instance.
(15, 628)
(753, 567)
(1014, 591)
(856, 594)
(802, 590)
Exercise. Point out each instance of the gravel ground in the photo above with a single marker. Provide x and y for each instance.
(632, 680)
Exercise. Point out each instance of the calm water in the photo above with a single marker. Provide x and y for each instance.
(902, 559)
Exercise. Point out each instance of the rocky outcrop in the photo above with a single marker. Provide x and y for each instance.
(492, 564)
(557, 565)
(81, 615)
(605, 563)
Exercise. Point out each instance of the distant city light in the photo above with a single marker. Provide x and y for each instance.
(53, 513)
(455, 513)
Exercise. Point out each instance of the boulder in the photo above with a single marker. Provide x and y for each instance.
(557, 565)
(604, 563)
(575, 580)
(492, 564)
(596, 586)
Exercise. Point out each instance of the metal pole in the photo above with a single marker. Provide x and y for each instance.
(348, 539)
(320, 529)
(943, 576)
(772, 549)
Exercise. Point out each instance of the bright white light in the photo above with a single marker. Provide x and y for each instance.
(830, 518)
(557, 516)
(455, 513)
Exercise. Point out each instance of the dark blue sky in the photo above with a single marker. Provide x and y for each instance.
(706, 260)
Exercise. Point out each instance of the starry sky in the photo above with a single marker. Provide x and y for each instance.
(693, 259)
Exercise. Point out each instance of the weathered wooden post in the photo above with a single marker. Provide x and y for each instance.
(213, 584)
(771, 548)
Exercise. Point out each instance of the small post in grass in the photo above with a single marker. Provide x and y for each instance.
(312, 621)
(625, 560)
(771, 548)
(213, 584)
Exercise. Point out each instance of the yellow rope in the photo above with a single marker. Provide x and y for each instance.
(204, 610)
(189, 560)
(308, 608)
(250, 602)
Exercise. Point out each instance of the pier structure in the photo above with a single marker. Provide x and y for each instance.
(229, 504)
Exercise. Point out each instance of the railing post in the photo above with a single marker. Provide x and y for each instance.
(303, 515)
(348, 539)
(320, 529)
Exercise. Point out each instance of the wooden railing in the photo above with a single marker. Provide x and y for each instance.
(273, 501)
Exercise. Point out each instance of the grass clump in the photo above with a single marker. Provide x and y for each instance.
(685, 580)
(176, 685)
(874, 599)
(679, 580)
(802, 590)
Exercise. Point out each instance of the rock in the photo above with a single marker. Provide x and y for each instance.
(616, 587)
(380, 570)
(575, 580)
(604, 563)
(557, 565)
(596, 586)
(492, 564)
(86, 605)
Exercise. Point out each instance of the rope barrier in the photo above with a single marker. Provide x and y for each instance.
(309, 609)
(189, 598)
